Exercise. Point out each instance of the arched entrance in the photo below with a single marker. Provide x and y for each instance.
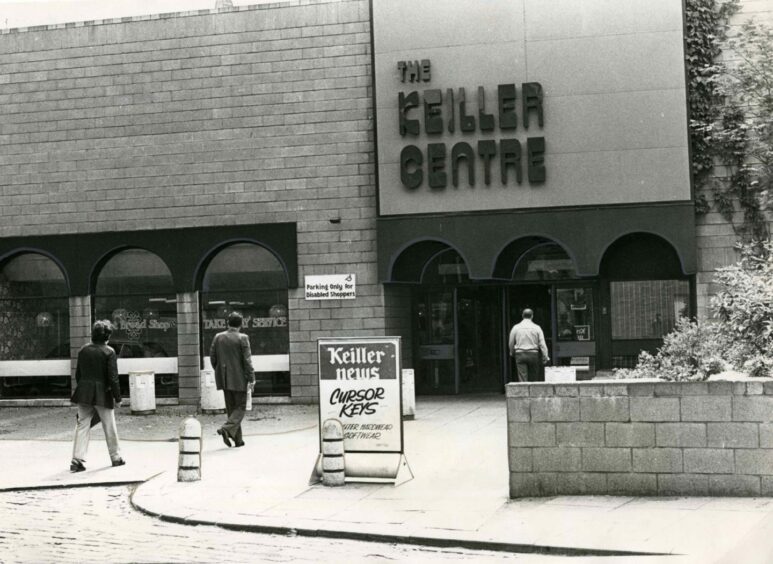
(457, 327)
(250, 279)
(460, 325)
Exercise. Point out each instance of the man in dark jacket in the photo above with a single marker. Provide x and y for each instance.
(232, 360)
(97, 390)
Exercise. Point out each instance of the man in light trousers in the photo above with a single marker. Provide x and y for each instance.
(97, 392)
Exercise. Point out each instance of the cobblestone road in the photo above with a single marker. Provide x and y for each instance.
(98, 524)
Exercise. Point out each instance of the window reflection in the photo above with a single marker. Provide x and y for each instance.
(647, 309)
(446, 267)
(34, 309)
(136, 292)
(249, 279)
(574, 309)
(34, 323)
(545, 261)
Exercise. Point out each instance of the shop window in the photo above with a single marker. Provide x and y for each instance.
(248, 278)
(446, 267)
(647, 309)
(34, 329)
(135, 291)
(544, 261)
(574, 310)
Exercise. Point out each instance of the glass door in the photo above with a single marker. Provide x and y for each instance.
(538, 299)
(479, 314)
(434, 319)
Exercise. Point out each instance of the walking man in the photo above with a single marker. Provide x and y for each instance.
(97, 392)
(526, 343)
(231, 358)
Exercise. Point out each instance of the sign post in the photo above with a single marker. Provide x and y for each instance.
(360, 386)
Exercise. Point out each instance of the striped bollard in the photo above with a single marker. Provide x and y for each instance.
(332, 453)
(189, 461)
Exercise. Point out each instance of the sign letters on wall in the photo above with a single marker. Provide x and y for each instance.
(434, 111)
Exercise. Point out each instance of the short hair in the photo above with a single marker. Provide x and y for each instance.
(101, 331)
(527, 313)
(234, 319)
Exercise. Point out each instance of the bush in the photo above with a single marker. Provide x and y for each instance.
(740, 337)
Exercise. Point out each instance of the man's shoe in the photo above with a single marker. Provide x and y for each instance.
(119, 462)
(226, 438)
(239, 443)
(77, 466)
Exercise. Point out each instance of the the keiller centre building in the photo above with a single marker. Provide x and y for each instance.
(455, 162)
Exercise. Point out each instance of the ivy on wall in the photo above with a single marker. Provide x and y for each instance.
(731, 115)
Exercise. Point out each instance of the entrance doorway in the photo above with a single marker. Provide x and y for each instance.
(479, 313)
(459, 340)
(538, 298)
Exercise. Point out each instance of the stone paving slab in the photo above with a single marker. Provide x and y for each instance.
(30, 464)
(459, 495)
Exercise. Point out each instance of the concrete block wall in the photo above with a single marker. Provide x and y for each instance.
(641, 438)
(256, 115)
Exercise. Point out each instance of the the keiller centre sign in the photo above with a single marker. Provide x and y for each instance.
(433, 111)
(359, 385)
(497, 105)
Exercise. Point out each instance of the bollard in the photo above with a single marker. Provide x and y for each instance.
(212, 399)
(189, 462)
(333, 453)
(409, 394)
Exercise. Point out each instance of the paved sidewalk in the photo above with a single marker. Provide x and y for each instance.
(459, 496)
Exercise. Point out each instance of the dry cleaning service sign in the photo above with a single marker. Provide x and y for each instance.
(359, 385)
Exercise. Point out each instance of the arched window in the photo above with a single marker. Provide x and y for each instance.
(648, 294)
(544, 261)
(135, 291)
(248, 278)
(446, 267)
(34, 328)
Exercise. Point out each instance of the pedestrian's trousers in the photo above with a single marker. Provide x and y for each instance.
(527, 365)
(235, 407)
(83, 431)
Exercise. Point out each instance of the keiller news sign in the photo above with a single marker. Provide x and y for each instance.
(359, 385)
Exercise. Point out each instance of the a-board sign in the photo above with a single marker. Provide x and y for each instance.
(360, 385)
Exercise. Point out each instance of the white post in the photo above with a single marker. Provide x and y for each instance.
(333, 466)
(189, 461)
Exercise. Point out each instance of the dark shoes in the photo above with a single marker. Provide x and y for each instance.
(239, 443)
(119, 462)
(77, 466)
(226, 438)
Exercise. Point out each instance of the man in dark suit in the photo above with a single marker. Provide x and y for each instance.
(232, 360)
(97, 391)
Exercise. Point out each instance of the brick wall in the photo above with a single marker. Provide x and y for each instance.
(257, 115)
(80, 329)
(715, 236)
(641, 438)
(188, 343)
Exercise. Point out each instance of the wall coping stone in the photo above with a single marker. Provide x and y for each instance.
(167, 15)
(742, 386)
